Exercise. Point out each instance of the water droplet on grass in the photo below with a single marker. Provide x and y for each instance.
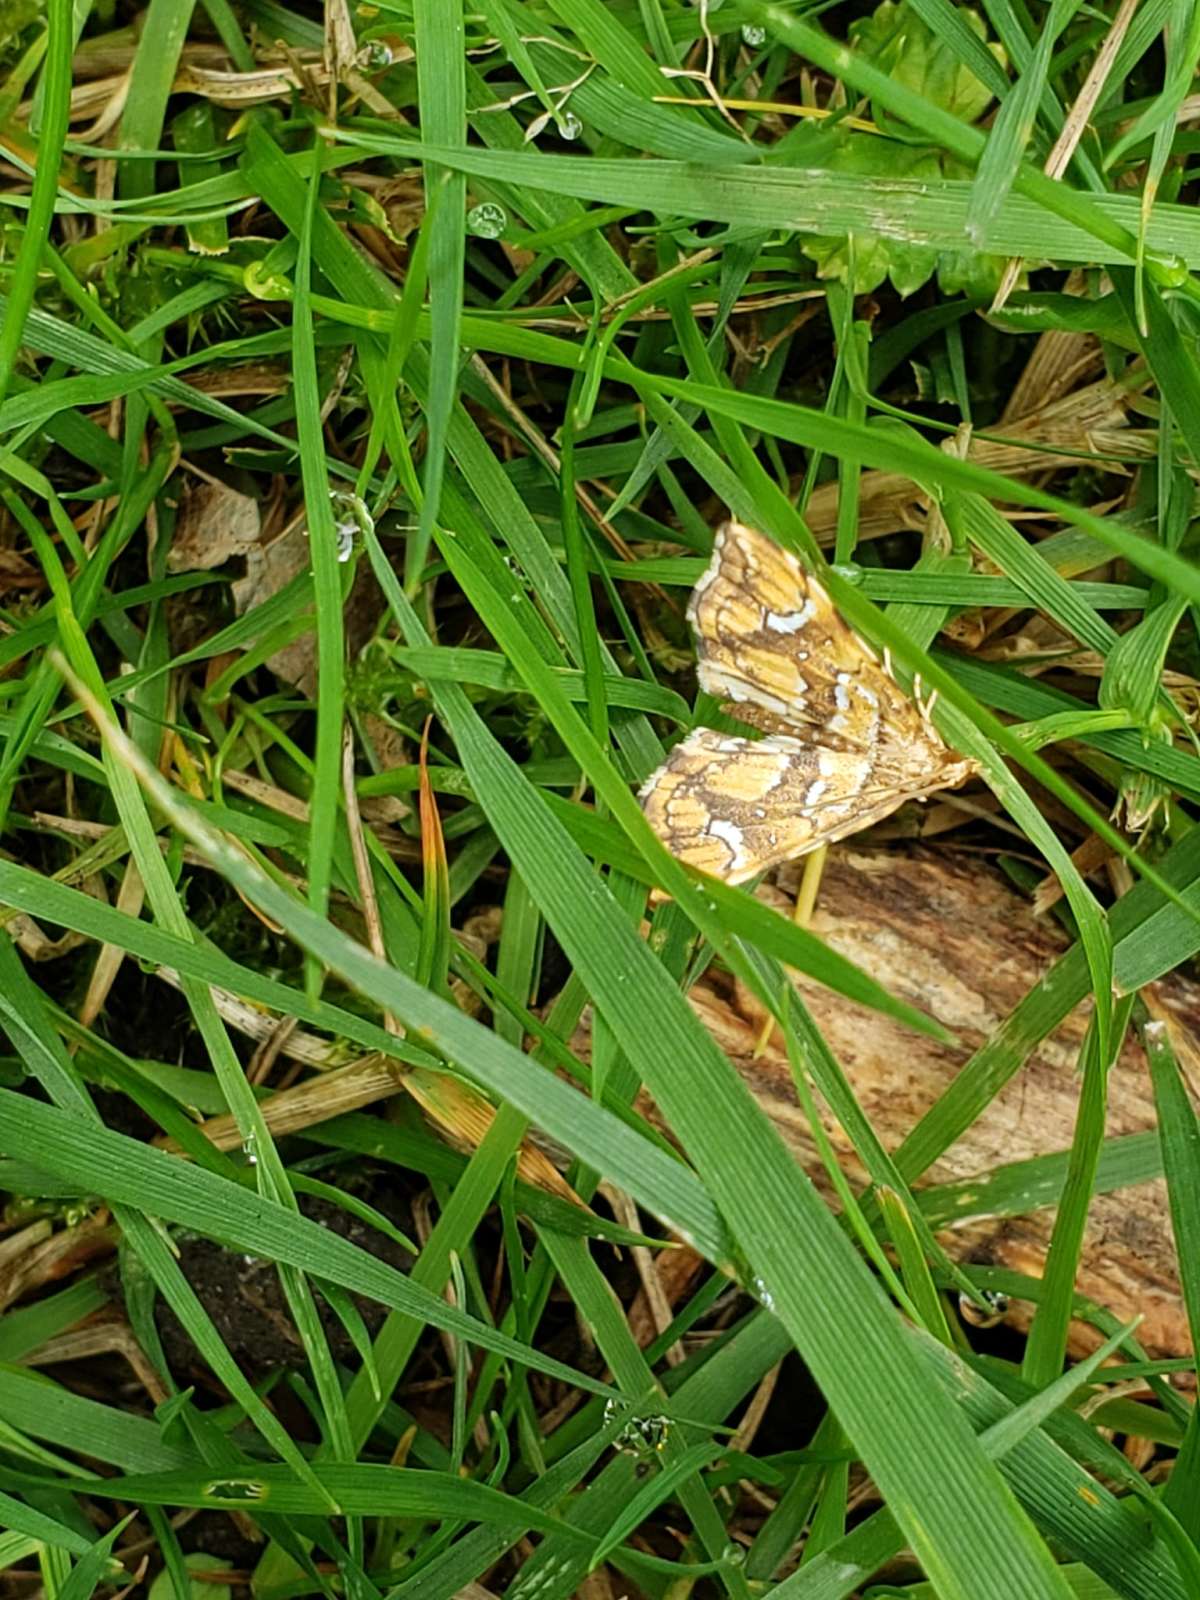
(487, 220)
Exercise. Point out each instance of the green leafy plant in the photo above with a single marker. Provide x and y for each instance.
(898, 41)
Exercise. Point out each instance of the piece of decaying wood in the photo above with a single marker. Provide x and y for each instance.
(943, 930)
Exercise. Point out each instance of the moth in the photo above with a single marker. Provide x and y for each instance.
(843, 746)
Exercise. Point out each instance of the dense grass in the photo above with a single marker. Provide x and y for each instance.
(479, 321)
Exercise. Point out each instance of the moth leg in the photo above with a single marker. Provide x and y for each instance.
(806, 902)
(810, 886)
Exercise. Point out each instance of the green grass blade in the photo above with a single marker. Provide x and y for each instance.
(327, 579)
(55, 111)
(1010, 133)
(1046, 1350)
(441, 55)
(1179, 1138)
(164, 30)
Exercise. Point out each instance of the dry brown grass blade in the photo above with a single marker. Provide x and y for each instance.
(332, 1094)
(1076, 122)
(456, 1109)
(654, 1291)
(1059, 364)
(465, 1117)
(33, 940)
(1089, 421)
(130, 897)
(1088, 857)
(36, 1257)
(102, 1335)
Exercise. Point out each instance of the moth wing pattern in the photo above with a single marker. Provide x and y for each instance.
(843, 747)
(732, 806)
(771, 643)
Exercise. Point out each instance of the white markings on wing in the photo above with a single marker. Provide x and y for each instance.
(730, 835)
(789, 621)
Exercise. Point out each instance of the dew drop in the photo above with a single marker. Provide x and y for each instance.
(1171, 270)
(374, 56)
(762, 1294)
(487, 220)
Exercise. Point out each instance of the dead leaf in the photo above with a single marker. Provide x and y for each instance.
(215, 524)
